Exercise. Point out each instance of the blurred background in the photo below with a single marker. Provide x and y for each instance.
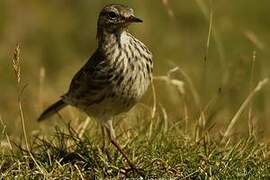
(57, 38)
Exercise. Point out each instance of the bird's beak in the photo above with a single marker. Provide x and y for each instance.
(133, 19)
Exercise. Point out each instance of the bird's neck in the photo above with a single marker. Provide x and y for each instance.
(109, 38)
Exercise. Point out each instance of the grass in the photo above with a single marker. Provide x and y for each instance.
(162, 154)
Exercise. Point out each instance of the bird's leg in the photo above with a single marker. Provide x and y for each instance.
(105, 143)
(110, 131)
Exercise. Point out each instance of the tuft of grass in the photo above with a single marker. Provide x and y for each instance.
(258, 88)
(169, 154)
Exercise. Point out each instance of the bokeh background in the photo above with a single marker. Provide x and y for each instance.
(57, 37)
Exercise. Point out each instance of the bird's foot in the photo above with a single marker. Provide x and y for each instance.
(106, 151)
(133, 169)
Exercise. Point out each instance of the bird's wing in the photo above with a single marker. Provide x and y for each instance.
(90, 84)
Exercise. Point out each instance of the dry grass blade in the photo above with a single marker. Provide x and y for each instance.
(79, 171)
(84, 127)
(42, 75)
(250, 123)
(174, 82)
(253, 38)
(209, 33)
(194, 92)
(165, 118)
(7, 143)
(259, 86)
(169, 9)
(16, 63)
(154, 108)
(219, 45)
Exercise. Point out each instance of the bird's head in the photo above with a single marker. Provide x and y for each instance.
(116, 17)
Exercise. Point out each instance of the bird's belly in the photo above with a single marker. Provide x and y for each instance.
(108, 108)
(122, 98)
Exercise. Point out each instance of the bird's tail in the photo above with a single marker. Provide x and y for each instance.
(54, 108)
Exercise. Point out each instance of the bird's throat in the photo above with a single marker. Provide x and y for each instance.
(107, 38)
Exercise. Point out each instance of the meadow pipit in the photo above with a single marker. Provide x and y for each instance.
(115, 77)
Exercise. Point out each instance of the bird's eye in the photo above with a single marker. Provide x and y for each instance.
(112, 15)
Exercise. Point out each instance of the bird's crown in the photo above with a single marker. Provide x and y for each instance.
(116, 16)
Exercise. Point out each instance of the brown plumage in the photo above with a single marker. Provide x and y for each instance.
(116, 76)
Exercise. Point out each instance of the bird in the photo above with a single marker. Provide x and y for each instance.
(114, 78)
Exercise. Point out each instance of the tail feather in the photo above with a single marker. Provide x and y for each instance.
(54, 108)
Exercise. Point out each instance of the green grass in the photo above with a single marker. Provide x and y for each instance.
(158, 153)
